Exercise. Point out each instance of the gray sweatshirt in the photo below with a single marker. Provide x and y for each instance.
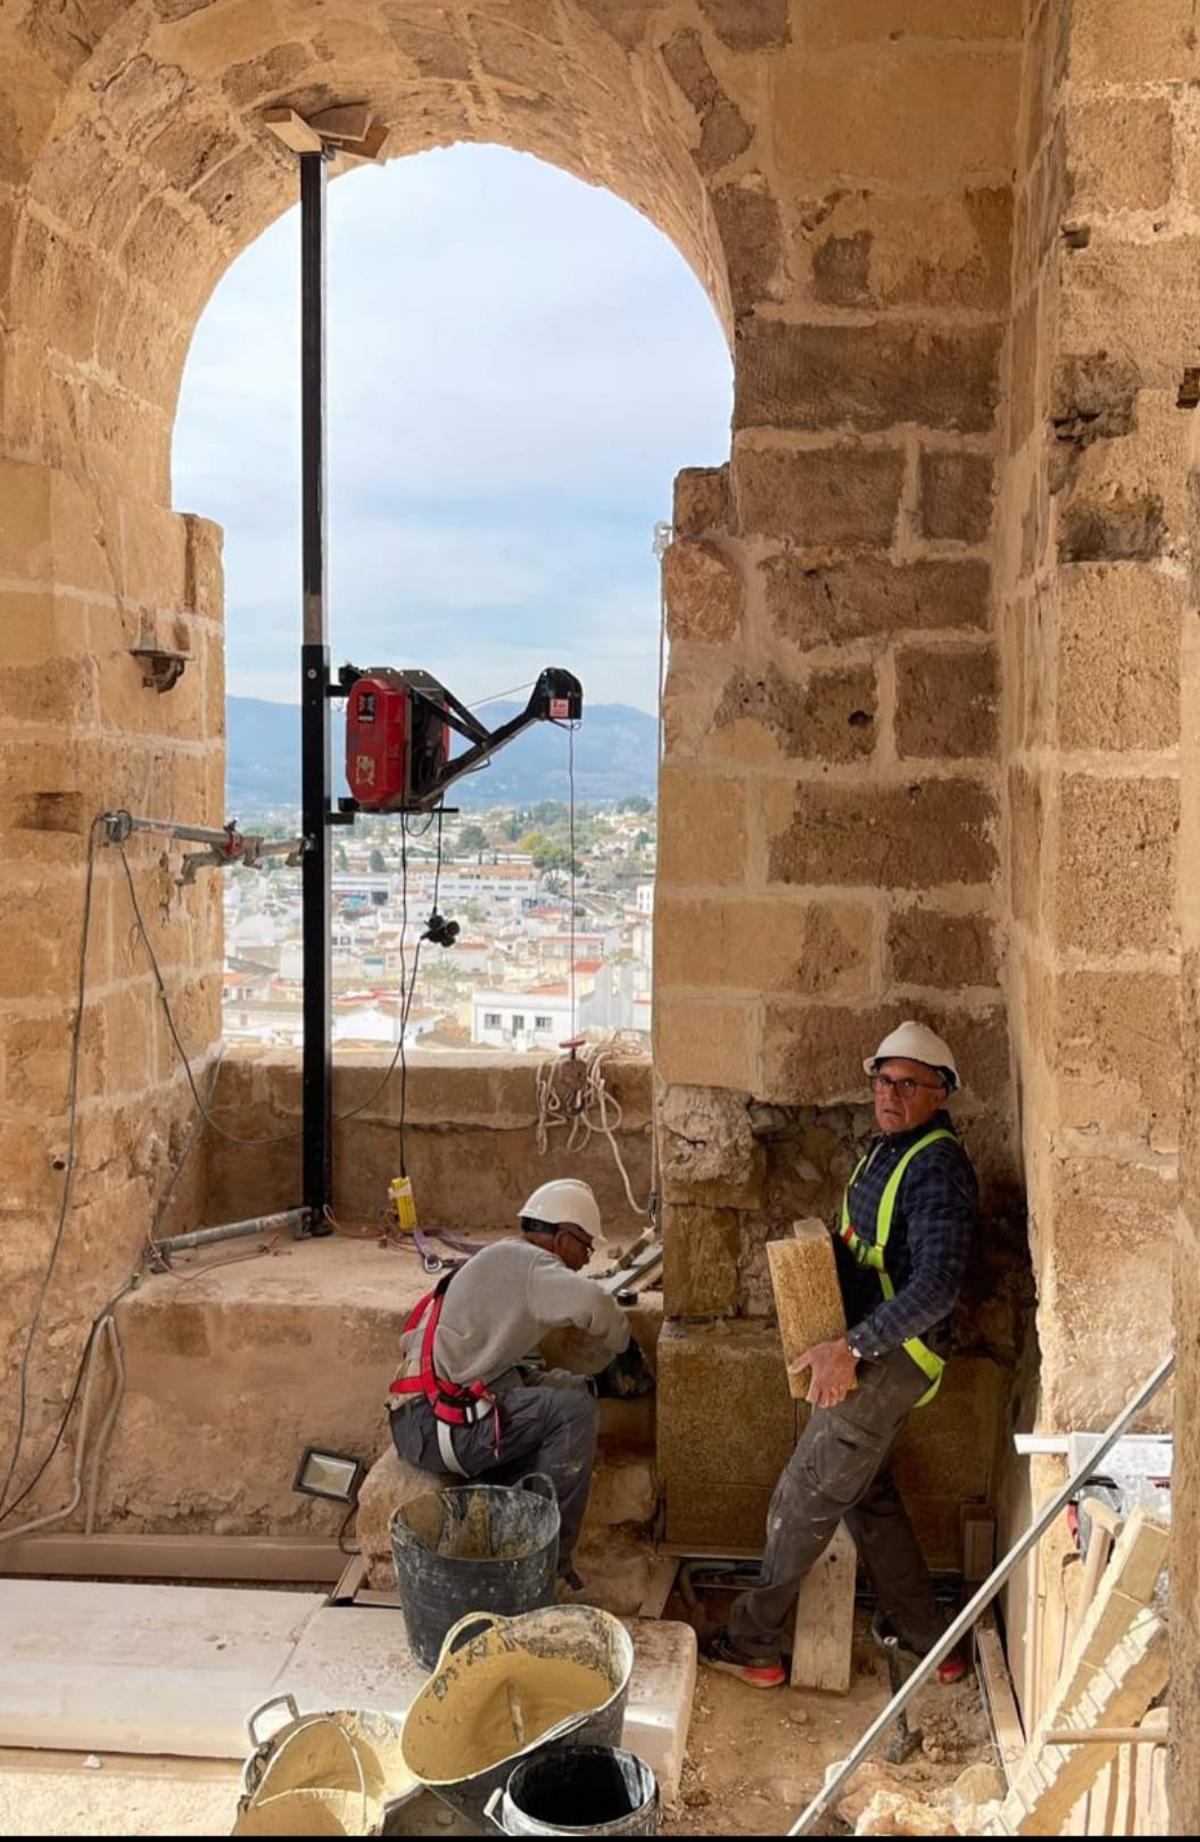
(500, 1305)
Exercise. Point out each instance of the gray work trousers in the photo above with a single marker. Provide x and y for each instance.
(551, 1429)
(839, 1473)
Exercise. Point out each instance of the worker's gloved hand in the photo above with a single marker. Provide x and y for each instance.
(627, 1376)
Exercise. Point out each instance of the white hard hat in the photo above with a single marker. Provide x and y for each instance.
(565, 1199)
(916, 1042)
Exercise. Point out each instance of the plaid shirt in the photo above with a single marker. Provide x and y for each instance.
(935, 1216)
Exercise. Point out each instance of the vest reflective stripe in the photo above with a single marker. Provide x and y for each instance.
(872, 1256)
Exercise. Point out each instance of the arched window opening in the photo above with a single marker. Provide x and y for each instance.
(518, 365)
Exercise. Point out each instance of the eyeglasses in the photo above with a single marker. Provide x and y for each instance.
(905, 1087)
(578, 1234)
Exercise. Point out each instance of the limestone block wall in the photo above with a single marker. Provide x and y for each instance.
(471, 1140)
(1093, 558)
(1090, 570)
(830, 799)
(85, 577)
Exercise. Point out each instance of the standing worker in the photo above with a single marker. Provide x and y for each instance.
(907, 1219)
(462, 1404)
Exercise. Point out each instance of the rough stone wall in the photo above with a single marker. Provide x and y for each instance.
(83, 579)
(1091, 576)
(830, 814)
(471, 1140)
(1089, 570)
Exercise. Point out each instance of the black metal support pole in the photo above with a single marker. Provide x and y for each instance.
(314, 708)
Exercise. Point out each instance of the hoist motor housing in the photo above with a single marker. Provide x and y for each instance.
(398, 729)
(397, 744)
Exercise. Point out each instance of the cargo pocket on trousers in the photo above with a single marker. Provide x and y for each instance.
(845, 1462)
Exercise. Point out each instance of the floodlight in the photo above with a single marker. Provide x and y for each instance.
(329, 1474)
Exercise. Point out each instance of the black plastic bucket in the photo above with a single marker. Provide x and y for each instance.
(482, 1548)
(584, 1790)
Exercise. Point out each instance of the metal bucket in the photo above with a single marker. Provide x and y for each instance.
(481, 1548)
(340, 1773)
(463, 1736)
(579, 1790)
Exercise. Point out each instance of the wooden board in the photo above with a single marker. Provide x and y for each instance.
(1117, 1664)
(998, 1692)
(666, 1566)
(977, 1527)
(808, 1299)
(824, 1637)
(292, 129)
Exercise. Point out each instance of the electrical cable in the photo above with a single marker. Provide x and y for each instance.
(412, 986)
(197, 1126)
(341, 1534)
(272, 1138)
(69, 1168)
(407, 986)
(39, 1474)
(497, 695)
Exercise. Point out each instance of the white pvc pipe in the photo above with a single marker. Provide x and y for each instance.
(105, 1433)
(60, 1515)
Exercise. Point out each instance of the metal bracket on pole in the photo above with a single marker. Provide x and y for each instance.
(983, 1598)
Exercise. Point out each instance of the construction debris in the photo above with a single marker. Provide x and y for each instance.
(1117, 1666)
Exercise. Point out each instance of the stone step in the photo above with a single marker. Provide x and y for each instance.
(624, 1489)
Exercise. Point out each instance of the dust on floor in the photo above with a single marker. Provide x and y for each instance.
(755, 1758)
(64, 1796)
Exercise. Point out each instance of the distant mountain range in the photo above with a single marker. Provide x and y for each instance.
(615, 751)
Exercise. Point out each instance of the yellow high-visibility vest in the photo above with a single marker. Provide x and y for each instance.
(872, 1256)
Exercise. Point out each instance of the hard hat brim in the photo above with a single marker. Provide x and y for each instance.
(871, 1066)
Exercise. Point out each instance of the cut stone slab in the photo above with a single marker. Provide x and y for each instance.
(350, 1656)
(177, 1670)
(808, 1298)
(660, 1698)
(98, 1667)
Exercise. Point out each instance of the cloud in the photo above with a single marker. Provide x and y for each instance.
(518, 366)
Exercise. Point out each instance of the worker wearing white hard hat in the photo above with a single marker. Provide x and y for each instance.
(473, 1399)
(903, 1236)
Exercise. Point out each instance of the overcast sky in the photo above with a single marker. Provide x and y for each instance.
(518, 366)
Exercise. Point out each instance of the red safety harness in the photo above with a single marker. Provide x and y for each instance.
(454, 1403)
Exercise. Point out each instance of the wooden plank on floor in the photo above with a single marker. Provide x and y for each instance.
(998, 1693)
(824, 1639)
(666, 1566)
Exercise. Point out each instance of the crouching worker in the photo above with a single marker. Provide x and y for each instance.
(905, 1231)
(462, 1402)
